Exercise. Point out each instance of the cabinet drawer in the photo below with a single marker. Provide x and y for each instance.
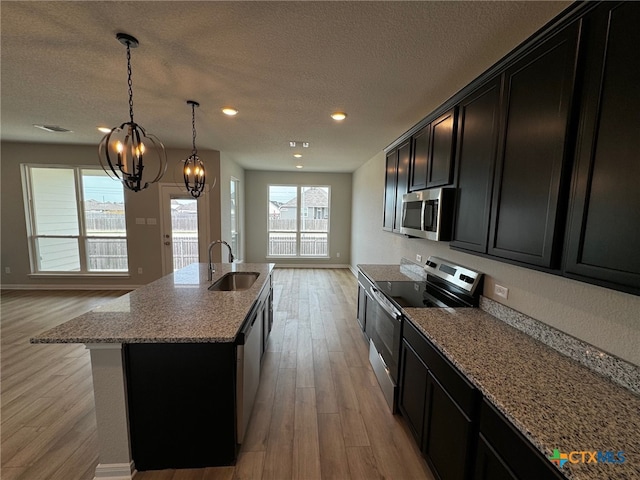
(458, 387)
(515, 451)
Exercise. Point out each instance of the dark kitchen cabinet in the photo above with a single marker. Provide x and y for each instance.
(413, 390)
(478, 117)
(396, 185)
(432, 154)
(439, 405)
(504, 453)
(489, 465)
(603, 231)
(448, 435)
(181, 404)
(527, 216)
(390, 188)
(419, 170)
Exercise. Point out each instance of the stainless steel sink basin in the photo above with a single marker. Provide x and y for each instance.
(235, 281)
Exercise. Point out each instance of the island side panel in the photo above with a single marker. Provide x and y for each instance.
(182, 404)
(109, 390)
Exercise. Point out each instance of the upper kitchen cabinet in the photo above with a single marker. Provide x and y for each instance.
(603, 232)
(433, 151)
(478, 116)
(396, 185)
(534, 151)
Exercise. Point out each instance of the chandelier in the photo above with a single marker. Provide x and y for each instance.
(128, 153)
(193, 170)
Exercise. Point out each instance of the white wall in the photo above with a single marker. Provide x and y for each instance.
(608, 319)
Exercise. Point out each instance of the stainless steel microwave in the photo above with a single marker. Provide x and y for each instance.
(428, 214)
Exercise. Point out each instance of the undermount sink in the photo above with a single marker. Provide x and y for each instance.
(234, 281)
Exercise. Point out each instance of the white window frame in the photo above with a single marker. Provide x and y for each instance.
(82, 236)
(300, 216)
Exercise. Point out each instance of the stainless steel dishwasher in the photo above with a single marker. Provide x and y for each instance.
(248, 369)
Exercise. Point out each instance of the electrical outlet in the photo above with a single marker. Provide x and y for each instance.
(418, 258)
(139, 270)
(501, 291)
(7, 270)
(338, 254)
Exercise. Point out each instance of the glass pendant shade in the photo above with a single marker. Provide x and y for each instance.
(128, 153)
(193, 170)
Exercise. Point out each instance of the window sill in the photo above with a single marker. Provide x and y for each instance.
(297, 257)
(79, 275)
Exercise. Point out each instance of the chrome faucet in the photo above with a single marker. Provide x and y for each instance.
(211, 266)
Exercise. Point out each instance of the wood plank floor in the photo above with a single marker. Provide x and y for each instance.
(319, 412)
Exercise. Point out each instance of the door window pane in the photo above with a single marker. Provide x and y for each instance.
(184, 231)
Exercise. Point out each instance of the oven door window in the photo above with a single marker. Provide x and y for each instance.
(412, 217)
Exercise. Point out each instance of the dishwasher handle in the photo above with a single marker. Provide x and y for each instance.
(247, 327)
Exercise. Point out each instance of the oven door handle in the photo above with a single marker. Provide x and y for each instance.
(383, 302)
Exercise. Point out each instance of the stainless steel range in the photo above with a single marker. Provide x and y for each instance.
(445, 285)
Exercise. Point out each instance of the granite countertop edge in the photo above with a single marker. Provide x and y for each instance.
(177, 308)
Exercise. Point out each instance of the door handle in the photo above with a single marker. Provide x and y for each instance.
(167, 243)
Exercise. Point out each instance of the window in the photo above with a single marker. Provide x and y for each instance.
(235, 218)
(293, 234)
(76, 220)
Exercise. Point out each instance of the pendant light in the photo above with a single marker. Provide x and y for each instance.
(193, 170)
(128, 153)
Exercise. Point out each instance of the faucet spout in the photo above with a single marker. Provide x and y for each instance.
(211, 265)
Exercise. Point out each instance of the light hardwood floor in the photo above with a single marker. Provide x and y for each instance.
(319, 413)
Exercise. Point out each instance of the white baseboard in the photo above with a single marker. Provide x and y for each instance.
(53, 286)
(311, 265)
(115, 471)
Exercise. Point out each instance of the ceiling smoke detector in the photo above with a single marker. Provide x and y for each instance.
(52, 128)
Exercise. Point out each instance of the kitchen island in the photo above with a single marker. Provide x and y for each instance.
(156, 345)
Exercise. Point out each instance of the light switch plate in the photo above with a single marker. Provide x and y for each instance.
(418, 258)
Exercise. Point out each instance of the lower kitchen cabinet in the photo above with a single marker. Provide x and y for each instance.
(413, 390)
(503, 452)
(440, 406)
(489, 465)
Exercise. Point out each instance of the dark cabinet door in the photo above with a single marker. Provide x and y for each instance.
(420, 159)
(441, 150)
(489, 465)
(404, 157)
(478, 116)
(532, 169)
(390, 186)
(603, 238)
(413, 390)
(448, 434)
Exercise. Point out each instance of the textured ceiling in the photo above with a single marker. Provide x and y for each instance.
(285, 65)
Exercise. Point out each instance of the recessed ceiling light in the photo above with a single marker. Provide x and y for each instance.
(298, 166)
(297, 155)
(52, 128)
(339, 116)
(104, 129)
(230, 111)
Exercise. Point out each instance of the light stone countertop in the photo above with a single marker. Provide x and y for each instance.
(177, 308)
(556, 402)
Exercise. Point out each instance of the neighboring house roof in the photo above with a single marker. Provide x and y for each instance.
(94, 205)
(313, 197)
